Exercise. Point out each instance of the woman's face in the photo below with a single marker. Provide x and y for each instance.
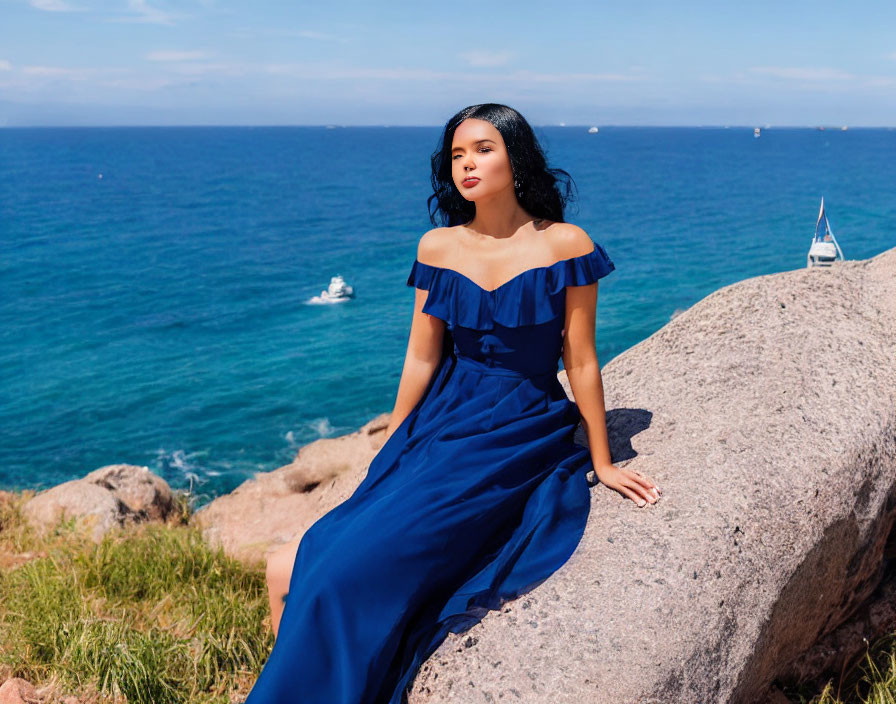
(478, 150)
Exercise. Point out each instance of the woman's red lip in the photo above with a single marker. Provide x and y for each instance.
(470, 181)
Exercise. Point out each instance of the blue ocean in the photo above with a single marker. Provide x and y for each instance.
(155, 282)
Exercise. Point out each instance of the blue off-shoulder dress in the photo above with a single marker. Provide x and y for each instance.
(477, 497)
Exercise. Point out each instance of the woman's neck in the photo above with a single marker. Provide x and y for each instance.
(499, 227)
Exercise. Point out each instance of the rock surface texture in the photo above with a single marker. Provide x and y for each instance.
(767, 414)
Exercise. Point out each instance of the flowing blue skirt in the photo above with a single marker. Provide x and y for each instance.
(477, 497)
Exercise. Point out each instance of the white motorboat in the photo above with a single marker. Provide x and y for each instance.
(337, 292)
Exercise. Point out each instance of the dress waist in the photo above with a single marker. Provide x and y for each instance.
(484, 368)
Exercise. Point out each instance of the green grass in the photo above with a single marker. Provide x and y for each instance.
(870, 680)
(150, 615)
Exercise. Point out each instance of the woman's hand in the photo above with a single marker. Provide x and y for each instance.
(638, 487)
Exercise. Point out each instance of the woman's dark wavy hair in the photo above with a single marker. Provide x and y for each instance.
(539, 191)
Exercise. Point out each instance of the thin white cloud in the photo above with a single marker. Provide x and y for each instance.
(315, 71)
(881, 81)
(5, 65)
(76, 74)
(574, 78)
(248, 32)
(824, 80)
(174, 55)
(72, 74)
(487, 58)
(199, 69)
(179, 73)
(803, 74)
(53, 6)
(320, 36)
(139, 84)
(144, 13)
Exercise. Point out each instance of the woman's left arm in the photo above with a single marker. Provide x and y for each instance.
(583, 371)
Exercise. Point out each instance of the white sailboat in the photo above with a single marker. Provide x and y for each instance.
(824, 249)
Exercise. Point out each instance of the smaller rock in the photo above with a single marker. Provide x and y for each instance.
(95, 508)
(145, 494)
(18, 691)
(107, 497)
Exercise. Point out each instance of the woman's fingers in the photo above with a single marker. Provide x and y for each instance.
(633, 495)
(636, 486)
(645, 481)
(640, 490)
(632, 490)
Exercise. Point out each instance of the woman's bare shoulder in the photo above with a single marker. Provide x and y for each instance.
(434, 244)
(568, 240)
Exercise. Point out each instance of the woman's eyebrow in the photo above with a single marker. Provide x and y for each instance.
(478, 141)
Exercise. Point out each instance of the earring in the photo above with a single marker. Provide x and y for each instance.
(517, 185)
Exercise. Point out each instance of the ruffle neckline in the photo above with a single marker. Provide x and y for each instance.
(459, 300)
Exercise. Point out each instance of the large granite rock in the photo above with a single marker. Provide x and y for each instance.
(106, 498)
(767, 413)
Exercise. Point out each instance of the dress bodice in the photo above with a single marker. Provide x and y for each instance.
(517, 326)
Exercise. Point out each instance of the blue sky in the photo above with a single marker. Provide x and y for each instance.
(639, 62)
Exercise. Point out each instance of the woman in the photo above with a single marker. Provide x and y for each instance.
(479, 492)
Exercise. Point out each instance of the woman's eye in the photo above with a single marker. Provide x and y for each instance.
(481, 149)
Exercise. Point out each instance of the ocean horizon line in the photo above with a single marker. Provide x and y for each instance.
(334, 125)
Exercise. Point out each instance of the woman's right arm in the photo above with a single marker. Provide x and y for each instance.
(423, 355)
